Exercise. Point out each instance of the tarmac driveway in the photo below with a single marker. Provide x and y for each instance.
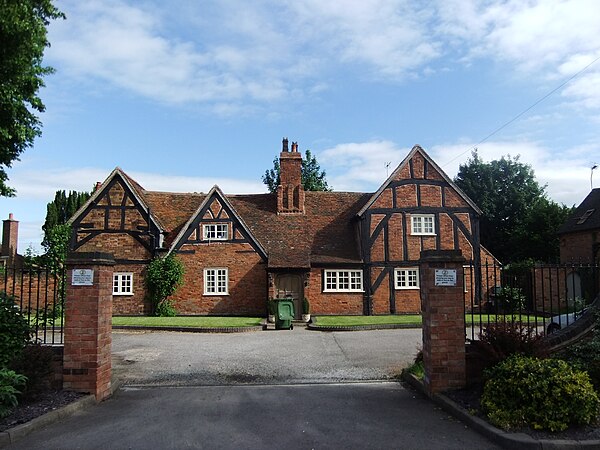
(265, 357)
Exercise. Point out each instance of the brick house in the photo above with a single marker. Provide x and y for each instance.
(347, 252)
(580, 234)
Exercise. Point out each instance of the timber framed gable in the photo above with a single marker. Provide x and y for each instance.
(116, 208)
(417, 190)
(215, 211)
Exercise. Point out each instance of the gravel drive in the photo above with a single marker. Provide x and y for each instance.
(263, 357)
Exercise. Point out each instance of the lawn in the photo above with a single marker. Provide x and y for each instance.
(409, 319)
(412, 319)
(187, 321)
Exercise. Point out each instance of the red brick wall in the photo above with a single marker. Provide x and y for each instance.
(137, 303)
(381, 296)
(88, 326)
(578, 247)
(247, 280)
(350, 303)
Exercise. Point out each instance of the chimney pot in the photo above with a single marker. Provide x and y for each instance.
(294, 146)
(285, 145)
(10, 216)
(98, 184)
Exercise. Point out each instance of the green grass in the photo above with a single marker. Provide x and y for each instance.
(187, 321)
(412, 319)
(485, 318)
(409, 319)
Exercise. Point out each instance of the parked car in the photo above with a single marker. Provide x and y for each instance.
(561, 321)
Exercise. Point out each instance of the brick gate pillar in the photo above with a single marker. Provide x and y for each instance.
(88, 323)
(442, 305)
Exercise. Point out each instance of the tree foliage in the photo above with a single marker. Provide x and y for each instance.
(57, 233)
(313, 178)
(518, 220)
(163, 277)
(23, 25)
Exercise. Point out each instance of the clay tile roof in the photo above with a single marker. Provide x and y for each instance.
(172, 210)
(582, 219)
(324, 234)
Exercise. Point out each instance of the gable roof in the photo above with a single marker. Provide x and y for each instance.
(417, 149)
(215, 192)
(132, 185)
(582, 219)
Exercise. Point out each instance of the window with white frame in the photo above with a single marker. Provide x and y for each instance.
(215, 231)
(407, 278)
(343, 281)
(216, 281)
(422, 224)
(122, 283)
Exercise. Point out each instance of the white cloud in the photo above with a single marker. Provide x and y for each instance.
(361, 166)
(269, 51)
(566, 174)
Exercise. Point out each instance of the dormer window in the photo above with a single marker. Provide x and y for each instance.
(585, 216)
(215, 232)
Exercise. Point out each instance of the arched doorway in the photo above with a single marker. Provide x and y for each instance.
(290, 285)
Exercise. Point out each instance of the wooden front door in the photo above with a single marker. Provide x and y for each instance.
(290, 285)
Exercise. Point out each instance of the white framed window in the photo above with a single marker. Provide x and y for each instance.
(216, 281)
(343, 281)
(122, 283)
(215, 231)
(422, 224)
(407, 278)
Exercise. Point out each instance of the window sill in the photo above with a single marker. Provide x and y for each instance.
(408, 288)
(423, 234)
(344, 291)
(216, 294)
(123, 294)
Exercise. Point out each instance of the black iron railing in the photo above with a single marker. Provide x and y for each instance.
(544, 297)
(40, 295)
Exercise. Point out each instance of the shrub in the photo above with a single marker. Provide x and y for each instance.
(35, 363)
(541, 393)
(15, 331)
(497, 341)
(511, 299)
(585, 355)
(9, 382)
(165, 308)
(163, 277)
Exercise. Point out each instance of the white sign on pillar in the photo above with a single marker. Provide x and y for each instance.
(445, 277)
(82, 277)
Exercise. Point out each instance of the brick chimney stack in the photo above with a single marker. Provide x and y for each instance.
(10, 237)
(290, 193)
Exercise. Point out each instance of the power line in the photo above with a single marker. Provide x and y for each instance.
(537, 102)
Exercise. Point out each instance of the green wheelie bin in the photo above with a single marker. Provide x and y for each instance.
(284, 314)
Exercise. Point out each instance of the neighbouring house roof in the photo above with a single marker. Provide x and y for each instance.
(586, 216)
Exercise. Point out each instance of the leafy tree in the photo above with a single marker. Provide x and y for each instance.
(518, 220)
(57, 233)
(313, 178)
(61, 209)
(23, 39)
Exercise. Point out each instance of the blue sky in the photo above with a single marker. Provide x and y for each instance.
(183, 94)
